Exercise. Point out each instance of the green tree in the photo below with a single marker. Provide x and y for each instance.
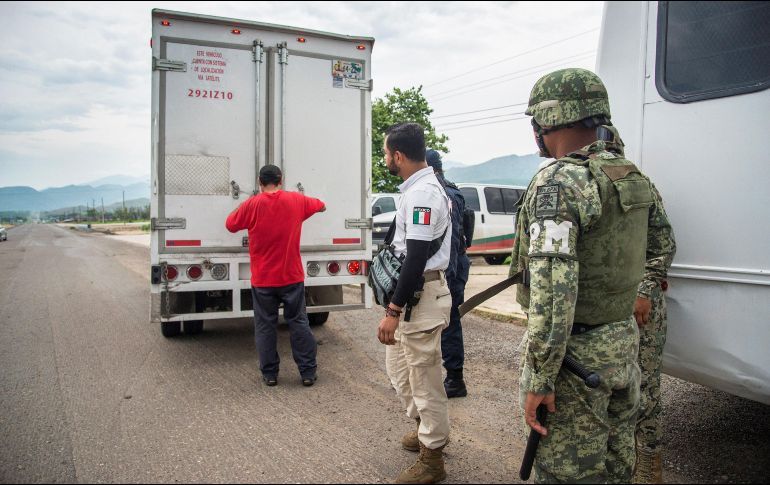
(399, 106)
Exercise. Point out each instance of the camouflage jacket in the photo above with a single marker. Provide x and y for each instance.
(661, 248)
(554, 271)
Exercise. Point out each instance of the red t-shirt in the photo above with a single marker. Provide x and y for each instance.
(274, 221)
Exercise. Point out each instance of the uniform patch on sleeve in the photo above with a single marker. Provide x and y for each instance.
(421, 216)
(547, 201)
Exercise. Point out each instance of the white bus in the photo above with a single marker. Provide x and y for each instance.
(688, 90)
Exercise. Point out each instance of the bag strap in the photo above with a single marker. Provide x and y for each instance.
(391, 232)
(435, 245)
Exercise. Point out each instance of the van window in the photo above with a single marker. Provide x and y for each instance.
(510, 199)
(494, 200)
(386, 204)
(471, 197)
(712, 49)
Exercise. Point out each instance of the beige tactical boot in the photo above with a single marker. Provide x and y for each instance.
(429, 467)
(409, 441)
(649, 466)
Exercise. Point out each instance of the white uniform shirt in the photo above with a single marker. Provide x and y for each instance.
(424, 214)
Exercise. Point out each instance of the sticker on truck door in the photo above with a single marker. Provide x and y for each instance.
(342, 70)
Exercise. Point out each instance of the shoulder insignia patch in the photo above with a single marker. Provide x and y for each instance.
(547, 201)
(421, 216)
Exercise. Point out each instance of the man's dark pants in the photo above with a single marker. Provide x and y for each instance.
(452, 349)
(303, 343)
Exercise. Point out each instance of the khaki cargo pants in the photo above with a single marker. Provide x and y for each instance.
(414, 364)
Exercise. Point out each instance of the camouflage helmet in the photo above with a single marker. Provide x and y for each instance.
(567, 96)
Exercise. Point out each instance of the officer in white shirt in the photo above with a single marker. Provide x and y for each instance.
(412, 329)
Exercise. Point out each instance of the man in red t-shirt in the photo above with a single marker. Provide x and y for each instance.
(274, 221)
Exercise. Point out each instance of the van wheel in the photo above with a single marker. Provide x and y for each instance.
(494, 260)
(317, 319)
(193, 327)
(170, 329)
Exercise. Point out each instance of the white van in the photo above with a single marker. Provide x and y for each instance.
(384, 203)
(688, 85)
(495, 208)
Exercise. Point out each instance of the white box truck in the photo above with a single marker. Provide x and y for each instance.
(688, 85)
(228, 97)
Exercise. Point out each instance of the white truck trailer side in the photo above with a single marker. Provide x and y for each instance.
(228, 97)
(688, 85)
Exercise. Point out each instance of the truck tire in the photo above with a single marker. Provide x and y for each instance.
(317, 319)
(495, 260)
(193, 327)
(170, 329)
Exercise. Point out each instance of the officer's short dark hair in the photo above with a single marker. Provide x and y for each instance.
(270, 175)
(407, 138)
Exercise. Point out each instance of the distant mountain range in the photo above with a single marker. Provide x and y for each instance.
(29, 199)
(508, 170)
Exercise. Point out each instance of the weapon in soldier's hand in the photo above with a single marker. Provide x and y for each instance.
(475, 300)
(591, 379)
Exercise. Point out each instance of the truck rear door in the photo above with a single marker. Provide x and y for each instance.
(319, 139)
(207, 141)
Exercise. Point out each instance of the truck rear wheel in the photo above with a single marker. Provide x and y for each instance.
(495, 260)
(170, 329)
(317, 319)
(193, 327)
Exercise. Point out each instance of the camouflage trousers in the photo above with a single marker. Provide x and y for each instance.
(652, 338)
(591, 435)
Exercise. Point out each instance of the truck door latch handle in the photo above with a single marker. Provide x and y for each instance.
(236, 190)
(300, 187)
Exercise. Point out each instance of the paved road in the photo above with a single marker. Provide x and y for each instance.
(91, 392)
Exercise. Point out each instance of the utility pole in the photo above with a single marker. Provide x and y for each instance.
(102, 210)
(124, 204)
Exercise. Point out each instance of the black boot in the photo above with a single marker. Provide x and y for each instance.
(454, 384)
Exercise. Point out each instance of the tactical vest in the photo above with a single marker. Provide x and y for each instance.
(612, 252)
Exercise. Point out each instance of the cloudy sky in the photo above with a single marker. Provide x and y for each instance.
(75, 77)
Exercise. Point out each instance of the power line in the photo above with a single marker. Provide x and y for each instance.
(482, 124)
(512, 57)
(555, 61)
(499, 82)
(483, 118)
(479, 110)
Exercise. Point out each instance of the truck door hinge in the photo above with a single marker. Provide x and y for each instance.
(168, 65)
(158, 224)
(358, 223)
(258, 51)
(283, 53)
(362, 84)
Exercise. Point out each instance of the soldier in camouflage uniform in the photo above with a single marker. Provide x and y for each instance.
(650, 313)
(583, 228)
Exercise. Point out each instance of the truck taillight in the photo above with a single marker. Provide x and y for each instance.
(236, 31)
(165, 23)
(365, 268)
(354, 267)
(313, 268)
(194, 272)
(361, 47)
(171, 273)
(219, 271)
(301, 40)
(333, 267)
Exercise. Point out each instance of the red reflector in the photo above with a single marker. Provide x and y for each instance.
(171, 273)
(333, 267)
(354, 267)
(150, 42)
(183, 242)
(165, 23)
(236, 31)
(361, 47)
(301, 40)
(194, 272)
(343, 240)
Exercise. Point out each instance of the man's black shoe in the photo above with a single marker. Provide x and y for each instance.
(270, 381)
(454, 385)
(308, 381)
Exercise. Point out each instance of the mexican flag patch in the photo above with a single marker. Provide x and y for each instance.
(421, 216)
